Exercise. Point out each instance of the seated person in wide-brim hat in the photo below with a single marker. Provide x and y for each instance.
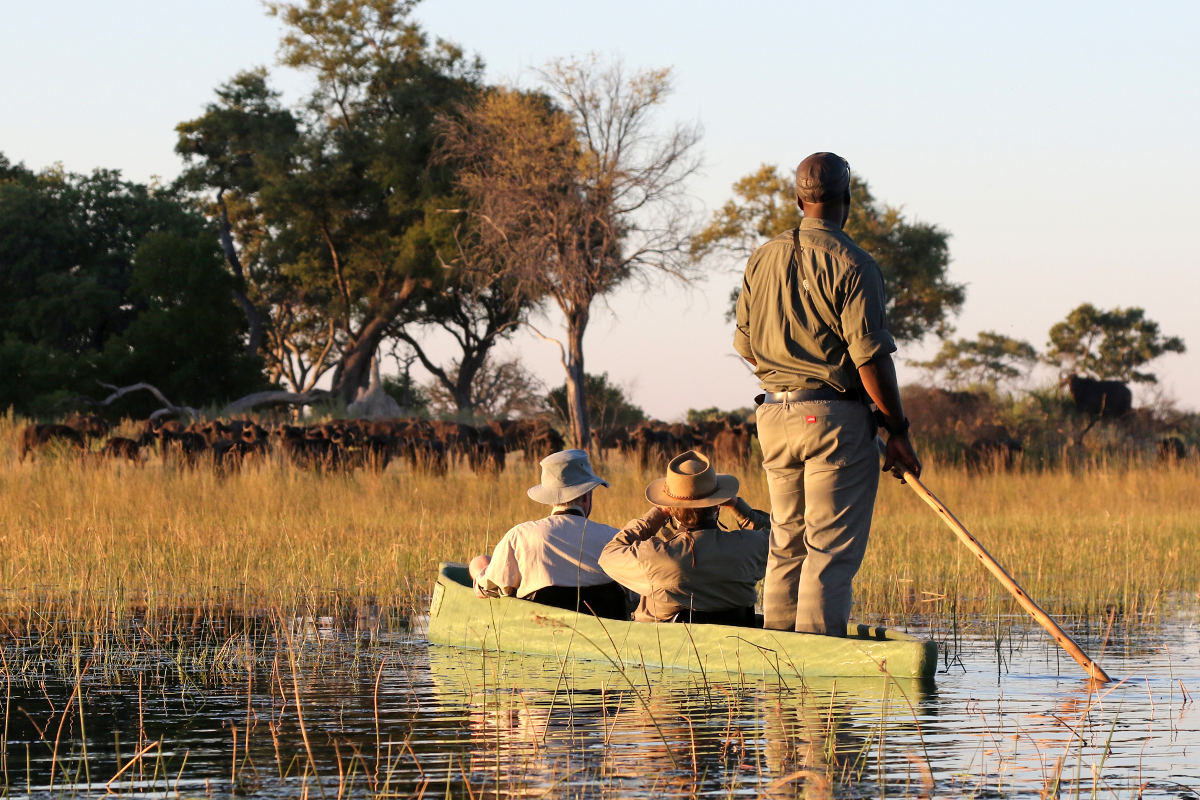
(692, 570)
(554, 560)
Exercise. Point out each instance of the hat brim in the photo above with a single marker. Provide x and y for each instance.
(553, 497)
(727, 489)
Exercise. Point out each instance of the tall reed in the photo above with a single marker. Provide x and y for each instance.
(91, 539)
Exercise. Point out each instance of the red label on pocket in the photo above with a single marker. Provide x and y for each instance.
(810, 419)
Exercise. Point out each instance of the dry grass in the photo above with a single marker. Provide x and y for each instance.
(95, 539)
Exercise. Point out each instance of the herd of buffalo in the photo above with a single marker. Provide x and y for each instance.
(436, 445)
(427, 445)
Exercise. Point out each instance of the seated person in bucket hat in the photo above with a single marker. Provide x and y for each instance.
(553, 560)
(692, 570)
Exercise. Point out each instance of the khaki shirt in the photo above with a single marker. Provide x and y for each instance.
(811, 322)
(703, 570)
(558, 550)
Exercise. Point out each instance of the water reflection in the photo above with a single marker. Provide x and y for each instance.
(288, 714)
(667, 733)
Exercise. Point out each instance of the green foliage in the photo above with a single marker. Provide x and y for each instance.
(714, 414)
(913, 256)
(987, 361)
(189, 332)
(1109, 344)
(411, 396)
(336, 204)
(607, 403)
(106, 280)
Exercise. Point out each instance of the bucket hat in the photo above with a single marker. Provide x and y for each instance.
(566, 475)
(691, 482)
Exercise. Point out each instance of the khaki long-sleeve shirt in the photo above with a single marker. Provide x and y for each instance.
(812, 320)
(702, 570)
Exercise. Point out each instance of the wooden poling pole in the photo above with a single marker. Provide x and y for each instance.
(1064, 641)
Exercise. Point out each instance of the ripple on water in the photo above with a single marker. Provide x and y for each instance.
(396, 717)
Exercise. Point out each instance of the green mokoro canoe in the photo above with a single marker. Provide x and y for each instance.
(457, 617)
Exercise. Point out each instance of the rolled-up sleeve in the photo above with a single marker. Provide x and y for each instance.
(750, 518)
(503, 574)
(741, 333)
(863, 317)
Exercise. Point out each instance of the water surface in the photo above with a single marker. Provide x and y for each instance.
(321, 711)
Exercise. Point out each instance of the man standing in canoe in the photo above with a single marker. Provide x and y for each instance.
(810, 320)
(553, 560)
(692, 571)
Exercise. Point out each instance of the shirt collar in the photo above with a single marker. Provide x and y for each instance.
(820, 224)
(571, 509)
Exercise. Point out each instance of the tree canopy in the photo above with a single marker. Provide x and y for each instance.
(578, 191)
(1109, 344)
(913, 256)
(105, 280)
(987, 361)
(341, 206)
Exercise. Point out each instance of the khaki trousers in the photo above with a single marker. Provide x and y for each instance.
(822, 472)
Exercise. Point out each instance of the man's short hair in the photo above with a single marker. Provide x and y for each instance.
(822, 177)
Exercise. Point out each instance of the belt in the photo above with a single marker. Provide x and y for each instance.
(808, 395)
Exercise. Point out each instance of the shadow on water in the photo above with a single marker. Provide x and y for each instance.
(274, 707)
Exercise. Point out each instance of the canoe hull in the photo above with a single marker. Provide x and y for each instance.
(458, 618)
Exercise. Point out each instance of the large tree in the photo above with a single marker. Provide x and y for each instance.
(988, 360)
(913, 256)
(1109, 344)
(242, 142)
(579, 191)
(103, 279)
(350, 208)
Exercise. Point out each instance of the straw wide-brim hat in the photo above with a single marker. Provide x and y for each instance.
(691, 482)
(566, 475)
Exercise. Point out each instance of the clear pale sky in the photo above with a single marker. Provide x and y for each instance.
(1057, 142)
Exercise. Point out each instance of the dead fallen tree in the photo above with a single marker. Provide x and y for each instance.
(168, 408)
(274, 398)
(240, 406)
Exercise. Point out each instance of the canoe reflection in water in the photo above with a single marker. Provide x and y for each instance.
(537, 723)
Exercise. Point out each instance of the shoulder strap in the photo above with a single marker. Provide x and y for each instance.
(826, 313)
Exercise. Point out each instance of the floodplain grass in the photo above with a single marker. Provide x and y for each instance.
(91, 539)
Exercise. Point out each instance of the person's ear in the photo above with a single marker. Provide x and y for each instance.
(799, 204)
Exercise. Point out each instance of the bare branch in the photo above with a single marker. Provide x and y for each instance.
(119, 392)
(251, 401)
(562, 350)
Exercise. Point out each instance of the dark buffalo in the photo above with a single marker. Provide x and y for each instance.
(994, 452)
(122, 447)
(89, 425)
(1107, 399)
(732, 446)
(1172, 448)
(183, 447)
(36, 436)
